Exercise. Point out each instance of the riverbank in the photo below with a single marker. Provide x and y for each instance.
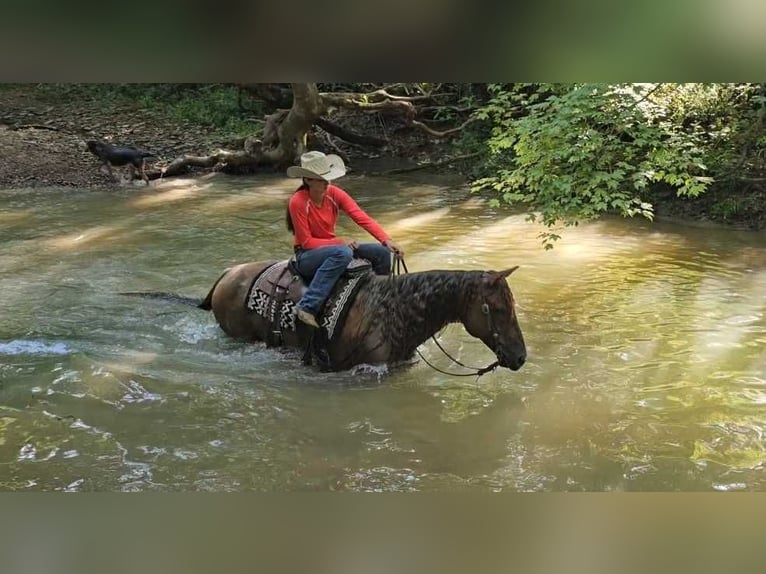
(43, 130)
(43, 133)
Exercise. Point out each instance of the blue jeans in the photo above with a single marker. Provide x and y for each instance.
(324, 266)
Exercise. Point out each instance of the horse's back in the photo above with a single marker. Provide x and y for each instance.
(227, 298)
(256, 302)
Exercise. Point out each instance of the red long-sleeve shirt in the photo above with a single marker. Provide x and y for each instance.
(315, 225)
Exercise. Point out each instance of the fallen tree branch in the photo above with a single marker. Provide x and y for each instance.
(365, 104)
(444, 133)
(425, 96)
(33, 126)
(222, 160)
(385, 94)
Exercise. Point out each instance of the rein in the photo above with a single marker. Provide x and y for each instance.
(398, 266)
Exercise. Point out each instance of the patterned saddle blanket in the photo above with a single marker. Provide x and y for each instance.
(275, 293)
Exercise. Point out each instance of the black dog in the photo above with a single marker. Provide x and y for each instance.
(120, 155)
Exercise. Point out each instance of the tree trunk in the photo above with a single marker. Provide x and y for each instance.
(284, 135)
(290, 142)
(306, 109)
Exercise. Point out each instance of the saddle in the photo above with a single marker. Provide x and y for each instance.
(275, 292)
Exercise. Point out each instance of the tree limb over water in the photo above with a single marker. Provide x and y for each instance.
(285, 132)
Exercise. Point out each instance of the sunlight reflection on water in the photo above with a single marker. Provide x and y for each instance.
(645, 372)
(22, 347)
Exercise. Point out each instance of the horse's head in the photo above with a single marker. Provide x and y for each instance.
(490, 315)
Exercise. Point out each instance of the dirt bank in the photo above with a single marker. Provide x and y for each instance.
(744, 207)
(43, 134)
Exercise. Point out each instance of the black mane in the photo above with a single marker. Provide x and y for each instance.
(412, 307)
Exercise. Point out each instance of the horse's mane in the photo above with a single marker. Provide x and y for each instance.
(410, 308)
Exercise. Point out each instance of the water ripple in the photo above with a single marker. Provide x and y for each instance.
(33, 347)
(645, 371)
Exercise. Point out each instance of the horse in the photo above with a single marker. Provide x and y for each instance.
(389, 317)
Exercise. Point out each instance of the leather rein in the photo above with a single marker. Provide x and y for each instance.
(478, 372)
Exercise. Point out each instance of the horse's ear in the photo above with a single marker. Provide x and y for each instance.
(509, 271)
(493, 277)
(505, 273)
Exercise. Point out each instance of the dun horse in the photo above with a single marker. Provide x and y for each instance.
(385, 322)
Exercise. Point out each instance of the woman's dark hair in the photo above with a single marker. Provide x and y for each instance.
(288, 219)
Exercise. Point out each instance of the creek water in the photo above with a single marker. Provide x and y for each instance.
(646, 342)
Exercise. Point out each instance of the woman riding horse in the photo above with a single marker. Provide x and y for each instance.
(386, 319)
(390, 317)
(320, 255)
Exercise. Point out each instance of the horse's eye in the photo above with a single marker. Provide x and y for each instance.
(485, 308)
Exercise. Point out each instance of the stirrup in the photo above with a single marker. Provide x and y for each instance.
(307, 318)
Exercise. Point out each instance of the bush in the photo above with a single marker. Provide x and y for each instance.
(572, 152)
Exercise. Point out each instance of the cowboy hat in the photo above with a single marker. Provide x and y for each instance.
(316, 165)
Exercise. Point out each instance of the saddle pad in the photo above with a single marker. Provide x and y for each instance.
(262, 301)
(334, 312)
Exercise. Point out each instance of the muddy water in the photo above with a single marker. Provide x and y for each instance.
(646, 369)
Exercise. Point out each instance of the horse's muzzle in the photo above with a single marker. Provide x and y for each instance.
(514, 363)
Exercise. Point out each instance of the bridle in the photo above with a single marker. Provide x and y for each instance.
(399, 264)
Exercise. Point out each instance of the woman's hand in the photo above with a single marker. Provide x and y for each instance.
(353, 244)
(392, 246)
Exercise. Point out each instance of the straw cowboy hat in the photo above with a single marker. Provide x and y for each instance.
(316, 165)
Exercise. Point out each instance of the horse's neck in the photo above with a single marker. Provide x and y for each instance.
(426, 302)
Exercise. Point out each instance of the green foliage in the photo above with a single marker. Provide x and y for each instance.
(564, 153)
(572, 152)
(727, 208)
(214, 105)
(729, 120)
(735, 206)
